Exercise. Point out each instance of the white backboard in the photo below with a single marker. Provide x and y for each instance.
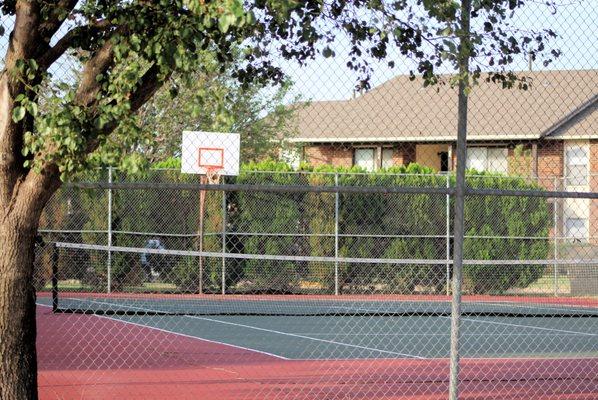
(216, 149)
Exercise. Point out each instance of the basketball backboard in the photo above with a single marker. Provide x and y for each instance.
(215, 151)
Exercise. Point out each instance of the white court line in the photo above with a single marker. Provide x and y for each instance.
(435, 334)
(494, 323)
(546, 306)
(182, 334)
(527, 326)
(268, 330)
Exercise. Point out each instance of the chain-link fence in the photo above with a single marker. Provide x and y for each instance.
(326, 268)
(322, 223)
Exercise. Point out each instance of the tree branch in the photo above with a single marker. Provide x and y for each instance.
(24, 39)
(148, 86)
(59, 12)
(23, 44)
(68, 41)
(98, 64)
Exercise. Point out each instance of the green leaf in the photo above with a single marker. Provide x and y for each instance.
(225, 21)
(32, 108)
(328, 52)
(18, 113)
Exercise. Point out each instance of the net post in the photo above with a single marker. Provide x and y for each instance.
(202, 200)
(336, 211)
(448, 237)
(223, 242)
(458, 225)
(109, 256)
(54, 277)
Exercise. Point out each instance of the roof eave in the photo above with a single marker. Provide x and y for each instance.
(411, 139)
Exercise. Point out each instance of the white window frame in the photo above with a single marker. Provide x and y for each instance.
(374, 151)
(387, 163)
(572, 183)
(484, 158)
(576, 209)
(581, 235)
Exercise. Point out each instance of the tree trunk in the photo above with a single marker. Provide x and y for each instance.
(19, 220)
(18, 368)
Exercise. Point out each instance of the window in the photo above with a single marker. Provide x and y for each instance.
(576, 228)
(498, 160)
(476, 158)
(576, 165)
(365, 158)
(387, 157)
(576, 214)
(493, 159)
(444, 161)
(291, 157)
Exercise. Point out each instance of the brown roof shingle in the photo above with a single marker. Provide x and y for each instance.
(403, 110)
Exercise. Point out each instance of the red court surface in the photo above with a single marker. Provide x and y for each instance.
(120, 366)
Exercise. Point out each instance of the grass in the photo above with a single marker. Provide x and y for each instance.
(75, 284)
(545, 285)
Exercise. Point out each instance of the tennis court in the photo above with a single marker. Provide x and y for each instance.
(380, 341)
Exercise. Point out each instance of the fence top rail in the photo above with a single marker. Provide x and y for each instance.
(330, 189)
(374, 173)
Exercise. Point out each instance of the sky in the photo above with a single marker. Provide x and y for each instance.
(575, 21)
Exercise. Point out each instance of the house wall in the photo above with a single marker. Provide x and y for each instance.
(404, 154)
(427, 154)
(521, 160)
(341, 156)
(593, 231)
(551, 161)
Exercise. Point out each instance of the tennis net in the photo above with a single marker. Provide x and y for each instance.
(101, 280)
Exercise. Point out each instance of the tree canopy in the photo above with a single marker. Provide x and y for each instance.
(215, 101)
(128, 49)
(54, 123)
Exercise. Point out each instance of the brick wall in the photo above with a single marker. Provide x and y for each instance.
(341, 156)
(520, 160)
(593, 228)
(550, 163)
(404, 154)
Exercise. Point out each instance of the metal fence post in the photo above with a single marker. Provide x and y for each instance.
(109, 260)
(336, 208)
(223, 242)
(54, 277)
(555, 246)
(458, 225)
(448, 237)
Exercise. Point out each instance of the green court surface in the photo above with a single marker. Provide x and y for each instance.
(355, 337)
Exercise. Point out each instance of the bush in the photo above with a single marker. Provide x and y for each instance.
(489, 217)
(303, 223)
(366, 220)
(269, 213)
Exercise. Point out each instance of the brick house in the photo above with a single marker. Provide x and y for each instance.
(548, 133)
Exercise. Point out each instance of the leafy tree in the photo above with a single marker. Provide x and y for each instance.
(215, 101)
(127, 50)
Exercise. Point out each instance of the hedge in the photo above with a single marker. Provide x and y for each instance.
(365, 218)
(303, 224)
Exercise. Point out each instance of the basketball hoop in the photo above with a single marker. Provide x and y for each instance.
(209, 155)
(213, 175)
(211, 161)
